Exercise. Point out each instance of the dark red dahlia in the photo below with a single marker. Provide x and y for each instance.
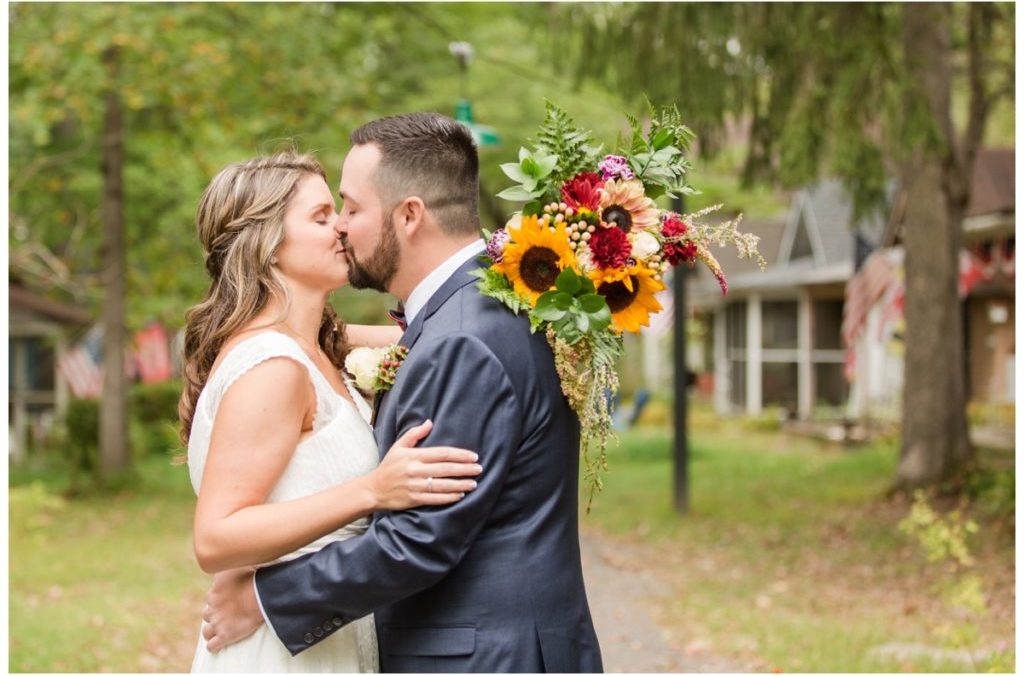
(581, 191)
(674, 226)
(610, 247)
(675, 253)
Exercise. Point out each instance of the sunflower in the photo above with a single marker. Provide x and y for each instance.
(534, 256)
(631, 298)
(625, 206)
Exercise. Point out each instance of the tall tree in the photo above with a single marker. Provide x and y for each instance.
(114, 454)
(861, 91)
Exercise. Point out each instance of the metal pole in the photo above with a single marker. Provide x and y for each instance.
(681, 450)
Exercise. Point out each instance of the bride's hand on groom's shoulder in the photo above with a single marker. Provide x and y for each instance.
(429, 476)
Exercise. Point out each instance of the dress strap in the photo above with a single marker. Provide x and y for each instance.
(255, 350)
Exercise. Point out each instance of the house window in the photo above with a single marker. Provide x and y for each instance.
(828, 322)
(779, 385)
(830, 385)
(779, 325)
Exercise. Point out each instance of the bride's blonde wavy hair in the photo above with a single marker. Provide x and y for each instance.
(240, 222)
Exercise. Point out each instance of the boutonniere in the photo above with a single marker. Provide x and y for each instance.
(374, 368)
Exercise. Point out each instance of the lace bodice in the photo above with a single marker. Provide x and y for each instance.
(340, 447)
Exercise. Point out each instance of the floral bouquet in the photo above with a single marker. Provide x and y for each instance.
(588, 252)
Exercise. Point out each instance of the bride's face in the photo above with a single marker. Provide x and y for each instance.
(311, 254)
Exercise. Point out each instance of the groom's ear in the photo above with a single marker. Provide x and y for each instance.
(411, 215)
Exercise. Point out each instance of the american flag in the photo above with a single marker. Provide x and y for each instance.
(877, 279)
(81, 365)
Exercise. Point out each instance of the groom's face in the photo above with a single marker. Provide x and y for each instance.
(367, 231)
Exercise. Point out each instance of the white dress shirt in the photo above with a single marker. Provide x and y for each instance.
(433, 281)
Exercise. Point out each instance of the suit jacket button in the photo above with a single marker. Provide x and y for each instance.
(328, 626)
(337, 621)
(308, 637)
(318, 631)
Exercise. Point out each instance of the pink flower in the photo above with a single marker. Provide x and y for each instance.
(496, 244)
(615, 166)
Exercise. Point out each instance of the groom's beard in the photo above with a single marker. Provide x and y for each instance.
(377, 271)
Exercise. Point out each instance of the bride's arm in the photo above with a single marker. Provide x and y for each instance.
(372, 336)
(258, 425)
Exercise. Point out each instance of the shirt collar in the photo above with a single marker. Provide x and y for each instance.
(433, 281)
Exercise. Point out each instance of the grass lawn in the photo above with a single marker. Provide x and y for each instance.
(105, 583)
(790, 557)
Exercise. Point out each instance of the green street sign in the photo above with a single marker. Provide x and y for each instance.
(483, 135)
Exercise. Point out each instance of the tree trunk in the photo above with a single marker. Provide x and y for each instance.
(935, 443)
(114, 457)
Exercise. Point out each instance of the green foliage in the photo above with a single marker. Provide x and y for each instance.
(658, 158)
(497, 286)
(574, 309)
(942, 537)
(157, 402)
(559, 136)
(76, 442)
(531, 171)
(844, 106)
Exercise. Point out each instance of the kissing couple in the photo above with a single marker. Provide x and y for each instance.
(340, 546)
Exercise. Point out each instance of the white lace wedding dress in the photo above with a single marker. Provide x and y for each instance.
(340, 447)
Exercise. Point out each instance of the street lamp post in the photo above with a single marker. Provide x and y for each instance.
(681, 450)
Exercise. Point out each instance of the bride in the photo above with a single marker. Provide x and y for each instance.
(280, 451)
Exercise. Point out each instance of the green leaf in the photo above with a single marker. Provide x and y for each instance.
(568, 281)
(513, 171)
(530, 167)
(600, 320)
(592, 303)
(582, 323)
(586, 285)
(654, 191)
(516, 193)
(546, 164)
(547, 308)
(533, 208)
(662, 139)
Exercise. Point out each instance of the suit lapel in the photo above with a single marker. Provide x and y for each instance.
(460, 278)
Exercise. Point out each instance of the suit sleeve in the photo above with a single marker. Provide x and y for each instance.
(457, 382)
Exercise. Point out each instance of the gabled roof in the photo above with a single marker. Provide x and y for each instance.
(20, 297)
(821, 214)
(826, 211)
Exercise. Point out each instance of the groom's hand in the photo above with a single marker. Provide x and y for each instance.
(232, 612)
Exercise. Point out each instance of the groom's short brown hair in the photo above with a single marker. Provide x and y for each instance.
(430, 156)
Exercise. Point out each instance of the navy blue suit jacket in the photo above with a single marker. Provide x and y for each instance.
(492, 583)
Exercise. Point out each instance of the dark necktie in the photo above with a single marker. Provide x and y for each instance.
(398, 315)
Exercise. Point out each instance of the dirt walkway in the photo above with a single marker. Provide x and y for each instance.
(620, 594)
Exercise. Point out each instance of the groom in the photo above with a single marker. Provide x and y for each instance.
(492, 583)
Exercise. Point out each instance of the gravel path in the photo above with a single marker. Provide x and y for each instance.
(620, 594)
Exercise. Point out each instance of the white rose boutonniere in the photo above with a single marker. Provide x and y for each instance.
(374, 368)
(362, 363)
